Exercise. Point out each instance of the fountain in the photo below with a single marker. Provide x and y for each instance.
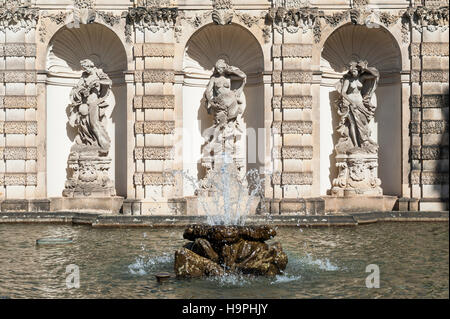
(224, 243)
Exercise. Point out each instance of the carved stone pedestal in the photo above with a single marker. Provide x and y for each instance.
(357, 175)
(88, 174)
(103, 205)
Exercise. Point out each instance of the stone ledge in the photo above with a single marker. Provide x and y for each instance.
(350, 204)
(24, 205)
(104, 205)
(102, 221)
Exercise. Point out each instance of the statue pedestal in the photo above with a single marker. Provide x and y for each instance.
(88, 186)
(88, 174)
(104, 205)
(357, 175)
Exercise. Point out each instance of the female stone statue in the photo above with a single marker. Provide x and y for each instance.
(357, 153)
(357, 107)
(226, 104)
(87, 109)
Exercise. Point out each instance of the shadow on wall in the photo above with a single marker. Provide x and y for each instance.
(206, 120)
(333, 96)
(118, 117)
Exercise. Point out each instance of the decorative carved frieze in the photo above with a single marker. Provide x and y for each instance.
(154, 50)
(151, 18)
(155, 179)
(153, 153)
(154, 102)
(435, 48)
(17, 15)
(276, 178)
(389, 19)
(276, 102)
(276, 76)
(291, 76)
(300, 178)
(296, 102)
(18, 50)
(18, 179)
(222, 13)
(18, 153)
(434, 126)
(293, 127)
(414, 49)
(250, 20)
(432, 152)
(292, 102)
(18, 76)
(433, 178)
(155, 76)
(430, 76)
(336, 18)
(294, 19)
(430, 101)
(109, 18)
(297, 152)
(18, 127)
(154, 127)
(428, 178)
(432, 18)
(18, 102)
(84, 4)
(429, 127)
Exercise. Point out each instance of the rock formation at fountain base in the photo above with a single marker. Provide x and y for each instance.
(215, 250)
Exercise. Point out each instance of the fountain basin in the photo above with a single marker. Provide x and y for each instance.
(215, 250)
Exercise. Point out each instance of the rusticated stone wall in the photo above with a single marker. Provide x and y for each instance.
(291, 34)
(18, 103)
(154, 121)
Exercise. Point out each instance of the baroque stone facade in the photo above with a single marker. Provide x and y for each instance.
(160, 56)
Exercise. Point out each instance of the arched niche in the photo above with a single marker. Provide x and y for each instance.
(380, 49)
(239, 48)
(66, 48)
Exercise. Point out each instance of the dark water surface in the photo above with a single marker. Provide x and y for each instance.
(413, 259)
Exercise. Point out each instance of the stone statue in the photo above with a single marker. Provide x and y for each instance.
(357, 107)
(88, 161)
(87, 111)
(227, 106)
(356, 152)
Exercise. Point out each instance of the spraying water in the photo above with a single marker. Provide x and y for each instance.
(226, 195)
